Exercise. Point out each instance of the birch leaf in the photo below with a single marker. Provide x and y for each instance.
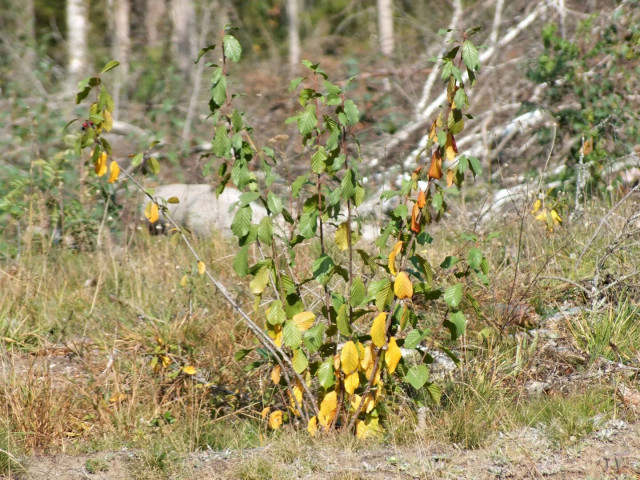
(393, 355)
(379, 331)
(402, 287)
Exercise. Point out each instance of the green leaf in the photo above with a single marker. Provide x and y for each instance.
(322, 268)
(241, 261)
(219, 90)
(293, 84)
(260, 281)
(240, 354)
(247, 197)
(417, 376)
(318, 160)
(274, 203)
(434, 392)
(221, 143)
(298, 183)
(313, 338)
(309, 224)
(475, 258)
(203, 51)
(342, 322)
(453, 295)
(307, 120)
(470, 55)
(463, 163)
(351, 112)
(348, 185)
(461, 99)
(326, 377)
(242, 222)
(232, 48)
(412, 339)
(449, 261)
(456, 324)
(291, 335)
(110, 66)
(299, 361)
(265, 231)
(357, 292)
(476, 166)
(384, 295)
(275, 313)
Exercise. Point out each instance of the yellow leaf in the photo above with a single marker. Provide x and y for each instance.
(432, 131)
(402, 287)
(392, 257)
(304, 320)
(151, 212)
(275, 333)
(349, 357)
(189, 369)
(100, 167)
(450, 177)
(542, 216)
(312, 426)
(114, 171)
(201, 267)
(536, 206)
(275, 420)
(379, 330)
(328, 408)
(336, 362)
(361, 429)
(342, 236)
(184, 280)
(265, 412)
(297, 392)
(556, 218)
(118, 397)
(367, 360)
(450, 147)
(108, 120)
(368, 403)
(166, 361)
(275, 375)
(393, 355)
(351, 382)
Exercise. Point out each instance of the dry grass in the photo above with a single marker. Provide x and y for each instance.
(92, 346)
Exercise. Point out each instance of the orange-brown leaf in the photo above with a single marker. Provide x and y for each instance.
(422, 199)
(435, 169)
(415, 226)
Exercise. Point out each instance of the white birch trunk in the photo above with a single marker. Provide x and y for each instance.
(183, 37)
(156, 12)
(121, 48)
(77, 28)
(294, 34)
(385, 26)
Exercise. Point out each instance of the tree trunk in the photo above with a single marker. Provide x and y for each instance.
(156, 12)
(121, 49)
(294, 34)
(77, 27)
(183, 37)
(385, 26)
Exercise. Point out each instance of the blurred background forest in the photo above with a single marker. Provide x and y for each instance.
(569, 63)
